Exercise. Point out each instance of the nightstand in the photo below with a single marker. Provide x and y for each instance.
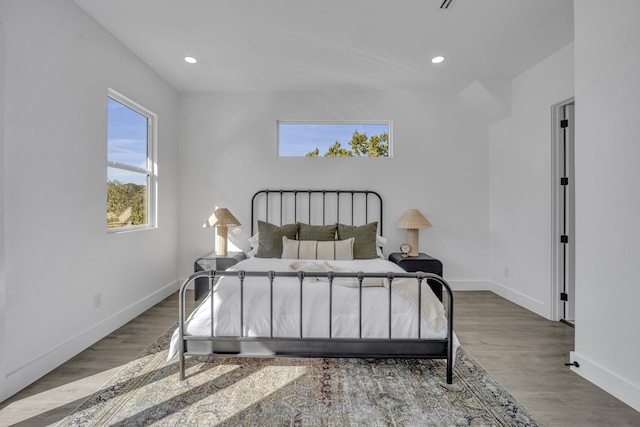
(211, 261)
(422, 262)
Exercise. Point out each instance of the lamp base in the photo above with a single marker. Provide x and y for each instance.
(221, 240)
(412, 241)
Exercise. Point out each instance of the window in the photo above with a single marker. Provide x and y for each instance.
(131, 174)
(335, 139)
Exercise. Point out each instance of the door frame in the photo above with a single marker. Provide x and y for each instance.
(3, 275)
(557, 113)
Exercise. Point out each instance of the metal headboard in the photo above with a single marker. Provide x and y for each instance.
(316, 207)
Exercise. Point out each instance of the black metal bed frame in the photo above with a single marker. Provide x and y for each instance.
(285, 196)
(301, 346)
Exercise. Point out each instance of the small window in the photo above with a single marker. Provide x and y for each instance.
(337, 139)
(131, 175)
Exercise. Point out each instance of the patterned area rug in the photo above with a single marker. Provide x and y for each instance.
(299, 392)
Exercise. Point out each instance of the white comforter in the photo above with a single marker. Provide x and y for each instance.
(286, 305)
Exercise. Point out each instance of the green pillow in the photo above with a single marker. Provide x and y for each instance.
(364, 246)
(321, 233)
(270, 238)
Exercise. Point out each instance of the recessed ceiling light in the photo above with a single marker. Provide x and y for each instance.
(437, 59)
(190, 59)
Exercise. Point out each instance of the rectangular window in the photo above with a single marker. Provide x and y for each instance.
(334, 139)
(131, 174)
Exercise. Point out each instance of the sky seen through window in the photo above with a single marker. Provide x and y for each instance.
(298, 139)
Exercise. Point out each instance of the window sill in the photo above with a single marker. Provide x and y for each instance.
(121, 230)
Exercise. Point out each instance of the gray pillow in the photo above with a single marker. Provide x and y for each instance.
(364, 247)
(321, 233)
(270, 238)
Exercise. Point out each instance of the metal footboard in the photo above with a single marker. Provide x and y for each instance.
(301, 346)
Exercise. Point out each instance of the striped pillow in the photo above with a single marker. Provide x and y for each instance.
(313, 249)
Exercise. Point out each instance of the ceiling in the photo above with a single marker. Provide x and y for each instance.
(313, 45)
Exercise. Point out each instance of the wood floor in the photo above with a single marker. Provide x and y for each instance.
(523, 351)
(526, 354)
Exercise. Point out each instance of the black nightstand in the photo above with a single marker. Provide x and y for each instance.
(422, 262)
(209, 262)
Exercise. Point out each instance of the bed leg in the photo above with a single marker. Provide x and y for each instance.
(449, 371)
(182, 367)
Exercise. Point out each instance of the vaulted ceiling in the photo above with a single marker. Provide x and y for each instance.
(308, 45)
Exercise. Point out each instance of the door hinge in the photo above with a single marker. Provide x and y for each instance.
(564, 239)
(564, 296)
(564, 180)
(564, 123)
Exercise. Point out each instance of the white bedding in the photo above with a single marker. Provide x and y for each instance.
(286, 305)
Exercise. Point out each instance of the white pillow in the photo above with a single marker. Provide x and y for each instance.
(312, 249)
(253, 241)
(380, 242)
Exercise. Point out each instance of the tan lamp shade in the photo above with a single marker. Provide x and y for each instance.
(413, 220)
(222, 219)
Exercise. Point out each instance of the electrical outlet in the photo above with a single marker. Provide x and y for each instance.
(506, 272)
(97, 301)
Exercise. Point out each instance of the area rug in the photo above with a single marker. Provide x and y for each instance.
(299, 392)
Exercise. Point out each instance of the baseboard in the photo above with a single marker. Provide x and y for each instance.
(531, 304)
(522, 300)
(613, 384)
(45, 363)
(470, 285)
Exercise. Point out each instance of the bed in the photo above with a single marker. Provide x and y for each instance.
(315, 292)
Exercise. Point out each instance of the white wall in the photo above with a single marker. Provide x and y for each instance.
(59, 64)
(607, 60)
(520, 159)
(439, 166)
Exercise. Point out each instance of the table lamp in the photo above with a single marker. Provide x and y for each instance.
(413, 220)
(221, 219)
